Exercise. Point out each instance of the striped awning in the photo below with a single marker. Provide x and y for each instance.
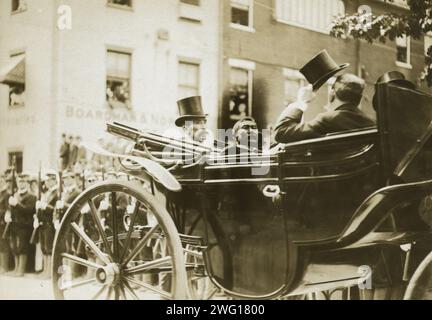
(14, 71)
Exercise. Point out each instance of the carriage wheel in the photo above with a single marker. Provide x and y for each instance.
(188, 223)
(420, 285)
(90, 263)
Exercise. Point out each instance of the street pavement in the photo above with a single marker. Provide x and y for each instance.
(25, 288)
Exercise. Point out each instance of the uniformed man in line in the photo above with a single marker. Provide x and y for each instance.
(105, 207)
(88, 224)
(44, 219)
(23, 206)
(5, 191)
(70, 192)
(34, 185)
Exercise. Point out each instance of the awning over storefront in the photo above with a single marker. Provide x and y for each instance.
(14, 71)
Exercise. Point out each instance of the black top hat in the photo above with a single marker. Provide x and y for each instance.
(321, 68)
(189, 108)
(395, 77)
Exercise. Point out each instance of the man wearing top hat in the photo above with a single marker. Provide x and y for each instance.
(342, 113)
(193, 120)
(23, 206)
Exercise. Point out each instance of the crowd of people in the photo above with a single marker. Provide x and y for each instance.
(31, 209)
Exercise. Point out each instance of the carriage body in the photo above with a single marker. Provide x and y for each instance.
(327, 213)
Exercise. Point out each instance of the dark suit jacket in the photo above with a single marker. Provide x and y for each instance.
(346, 117)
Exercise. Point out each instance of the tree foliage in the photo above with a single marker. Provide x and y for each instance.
(416, 23)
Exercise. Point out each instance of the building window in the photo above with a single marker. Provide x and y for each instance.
(293, 80)
(240, 89)
(330, 83)
(190, 10)
(18, 6)
(118, 79)
(16, 95)
(188, 79)
(428, 44)
(191, 2)
(16, 156)
(13, 75)
(316, 15)
(398, 3)
(242, 14)
(403, 51)
(121, 3)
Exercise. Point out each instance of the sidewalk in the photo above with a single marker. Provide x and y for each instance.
(25, 288)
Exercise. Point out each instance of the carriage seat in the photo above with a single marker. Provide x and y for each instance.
(332, 157)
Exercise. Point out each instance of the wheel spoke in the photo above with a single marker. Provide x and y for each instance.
(129, 289)
(194, 224)
(97, 221)
(211, 294)
(99, 293)
(129, 233)
(161, 262)
(90, 243)
(116, 293)
(149, 287)
(139, 246)
(81, 261)
(110, 289)
(115, 227)
(122, 291)
(77, 284)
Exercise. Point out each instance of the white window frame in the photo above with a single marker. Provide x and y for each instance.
(330, 82)
(427, 42)
(121, 7)
(279, 19)
(250, 26)
(19, 10)
(248, 66)
(190, 12)
(15, 150)
(189, 4)
(293, 75)
(406, 65)
(194, 61)
(12, 55)
(126, 51)
(397, 3)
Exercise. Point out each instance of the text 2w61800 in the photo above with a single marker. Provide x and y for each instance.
(236, 309)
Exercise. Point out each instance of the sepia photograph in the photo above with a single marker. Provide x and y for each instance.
(218, 150)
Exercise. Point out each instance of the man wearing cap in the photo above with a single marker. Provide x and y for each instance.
(64, 152)
(23, 206)
(70, 192)
(5, 186)
(44, 219)
(342, 113)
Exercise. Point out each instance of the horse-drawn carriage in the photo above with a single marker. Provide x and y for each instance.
(350, 212)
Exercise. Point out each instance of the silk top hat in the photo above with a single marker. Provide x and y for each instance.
(321, 68)
(189, 108)
(395, 77)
